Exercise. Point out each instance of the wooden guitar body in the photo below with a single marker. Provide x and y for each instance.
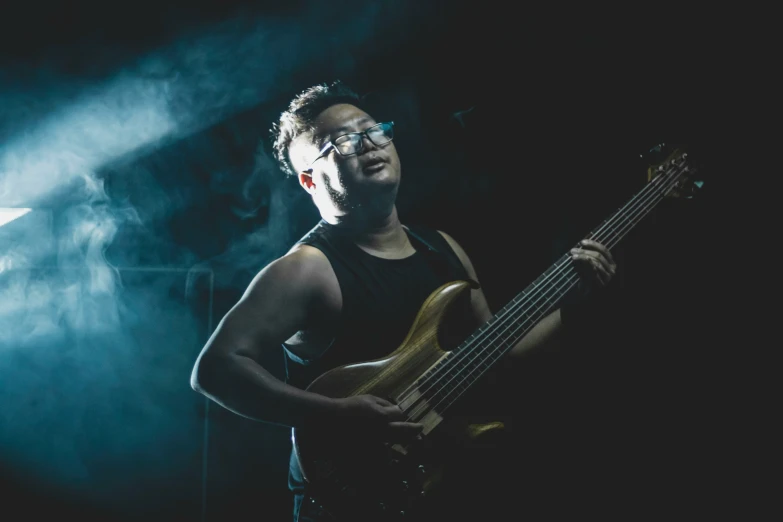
(388, 482)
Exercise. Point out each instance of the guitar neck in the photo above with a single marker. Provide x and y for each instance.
(455, 374)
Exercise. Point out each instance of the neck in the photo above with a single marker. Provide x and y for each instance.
(464, 365)
(383, 234)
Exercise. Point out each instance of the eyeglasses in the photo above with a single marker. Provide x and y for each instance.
(353, 142)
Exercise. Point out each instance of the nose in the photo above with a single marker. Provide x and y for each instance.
(367, 145)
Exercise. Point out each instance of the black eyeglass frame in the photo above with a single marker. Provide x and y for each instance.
(365, 133)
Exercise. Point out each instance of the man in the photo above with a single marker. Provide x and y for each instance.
(349, 290)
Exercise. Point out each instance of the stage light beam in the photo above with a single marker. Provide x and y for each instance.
(10, 214)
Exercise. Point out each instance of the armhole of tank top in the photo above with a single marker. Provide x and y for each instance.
(307, 362)
(291, 354)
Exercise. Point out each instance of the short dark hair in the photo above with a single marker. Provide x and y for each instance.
(298, 118)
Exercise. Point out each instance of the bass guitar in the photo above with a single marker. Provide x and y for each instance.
(383, 482)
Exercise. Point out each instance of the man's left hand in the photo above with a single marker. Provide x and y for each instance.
(594, 264)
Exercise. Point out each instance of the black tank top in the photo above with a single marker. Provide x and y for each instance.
(381, 298)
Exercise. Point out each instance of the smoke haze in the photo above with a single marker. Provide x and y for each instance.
(104, 286)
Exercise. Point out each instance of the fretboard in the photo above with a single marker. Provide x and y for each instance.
(455, 374)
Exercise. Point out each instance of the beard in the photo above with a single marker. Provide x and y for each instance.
(363, 200)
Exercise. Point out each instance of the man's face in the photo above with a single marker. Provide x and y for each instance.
(365, 182)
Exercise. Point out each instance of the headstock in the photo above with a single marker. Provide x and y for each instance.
(673, 167)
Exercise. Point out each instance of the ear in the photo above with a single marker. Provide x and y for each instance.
(306, 181)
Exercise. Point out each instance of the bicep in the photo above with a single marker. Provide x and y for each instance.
(276, 305)
(478, 301)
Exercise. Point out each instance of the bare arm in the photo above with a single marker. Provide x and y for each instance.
(545, 336)
(280, 301)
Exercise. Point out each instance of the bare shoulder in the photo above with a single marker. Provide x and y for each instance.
(479, 305)
(303, 274)
(461, 254)
(294, 293)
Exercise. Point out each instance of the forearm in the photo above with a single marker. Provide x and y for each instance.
(244, 387)
(545, 337)
(542, 341)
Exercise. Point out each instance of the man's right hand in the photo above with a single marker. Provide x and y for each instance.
(368, 415)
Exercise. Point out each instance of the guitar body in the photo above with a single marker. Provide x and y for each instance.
(389, 482)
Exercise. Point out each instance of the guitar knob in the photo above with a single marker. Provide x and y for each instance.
(381, 506)
(402, 513)
(405, 484)
(421, 469)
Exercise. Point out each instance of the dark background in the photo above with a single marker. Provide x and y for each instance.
(519, 131)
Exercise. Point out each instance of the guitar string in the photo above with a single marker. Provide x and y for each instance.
(465, 350)
(567, 272)
(425, 406)
(625, 228)
(462, 351)
(568, 275)
(614, 241)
